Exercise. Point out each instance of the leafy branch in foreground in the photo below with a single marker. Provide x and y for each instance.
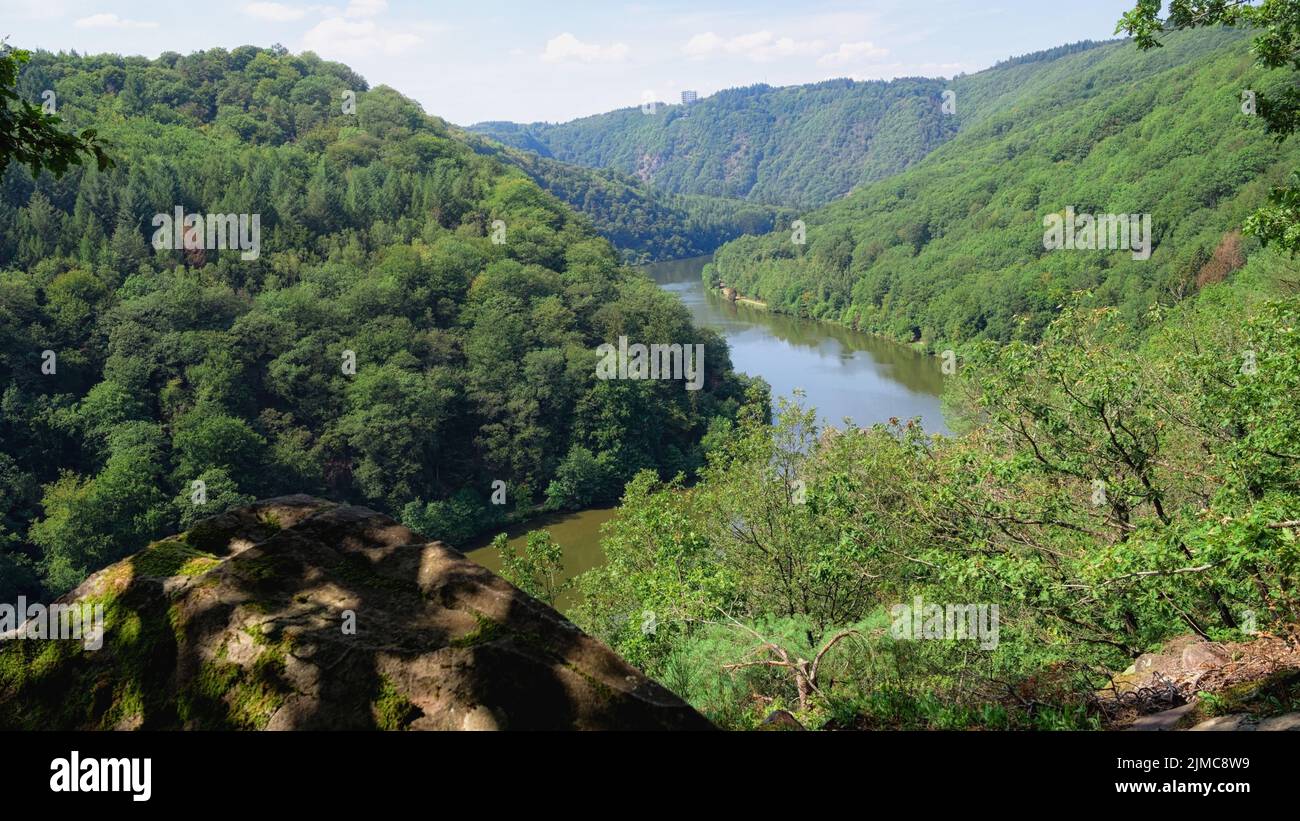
(538, 569)
(33, 137)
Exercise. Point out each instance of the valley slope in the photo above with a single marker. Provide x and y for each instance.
(953, 248)
(644, 223)
(799, 146)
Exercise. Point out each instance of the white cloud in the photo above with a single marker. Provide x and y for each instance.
(759, 46)
(275, 12)
(111, 21)
(702, 45)
(852, 53)
(285, 13)
(365, 8)
(336, 37)
(566, 47)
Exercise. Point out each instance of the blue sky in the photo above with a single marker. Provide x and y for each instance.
(475, 60)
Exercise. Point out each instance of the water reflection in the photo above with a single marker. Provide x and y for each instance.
(577, 532)
(844, 373)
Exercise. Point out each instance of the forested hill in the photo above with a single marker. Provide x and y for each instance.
(417, 323)
(953, 249)
(644, 223)
(665, 184)
(799, 145)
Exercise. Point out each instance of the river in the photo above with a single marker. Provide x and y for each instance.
(844, 374)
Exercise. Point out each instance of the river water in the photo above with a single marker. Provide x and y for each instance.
(844, 374)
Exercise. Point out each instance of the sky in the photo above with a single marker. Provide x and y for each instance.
(476, 60)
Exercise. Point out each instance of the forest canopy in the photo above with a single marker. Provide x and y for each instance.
(418, 324)
(952, 249)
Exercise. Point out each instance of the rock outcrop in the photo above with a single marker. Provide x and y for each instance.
(296, 613)
(1194, 684)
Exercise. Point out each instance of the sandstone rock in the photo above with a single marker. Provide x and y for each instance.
(244, 622)
(1200, 655)
(1164, 720)
(1230, 723)
(1178, 655)
(1180, 659)
(1288, 721)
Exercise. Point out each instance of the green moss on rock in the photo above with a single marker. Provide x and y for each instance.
(393, 710)
(226, 695)
(172, 557)
(1271, 695)
(224, 639)
(485, 630)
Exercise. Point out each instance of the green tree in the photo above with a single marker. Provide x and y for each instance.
(31, 136)
(537, 568)
(91, 522)
(578, 481)
(1276, 46)
(219, 493)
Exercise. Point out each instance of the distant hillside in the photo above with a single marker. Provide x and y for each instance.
(800, 145)
(514, 135)
(644, 223)
(953, 248)
(668, 185)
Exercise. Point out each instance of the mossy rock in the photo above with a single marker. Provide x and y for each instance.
(1272, 695)
(172, 557)
(297, 613)
(393, 710)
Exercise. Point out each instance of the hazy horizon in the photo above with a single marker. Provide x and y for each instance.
(528, 63)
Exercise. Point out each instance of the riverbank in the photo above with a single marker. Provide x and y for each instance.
(734, 296)
(577, 532)
(845, 374)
